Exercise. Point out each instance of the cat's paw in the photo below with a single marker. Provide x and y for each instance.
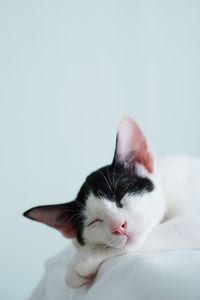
(83, 268)
(73, 278)
(87, 267)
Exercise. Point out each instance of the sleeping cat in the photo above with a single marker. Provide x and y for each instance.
(135, 204)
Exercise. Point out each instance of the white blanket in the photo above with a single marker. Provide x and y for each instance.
(173, 275)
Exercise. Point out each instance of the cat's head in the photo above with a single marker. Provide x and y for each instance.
(118, 204)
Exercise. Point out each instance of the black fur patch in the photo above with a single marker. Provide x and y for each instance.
(115, 183)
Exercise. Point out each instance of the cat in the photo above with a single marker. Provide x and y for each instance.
(134, 204)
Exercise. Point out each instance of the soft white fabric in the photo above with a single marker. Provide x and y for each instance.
(169, 275)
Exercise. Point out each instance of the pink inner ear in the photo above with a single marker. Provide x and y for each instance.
(53, 216)
(68, 231)
(131, 141)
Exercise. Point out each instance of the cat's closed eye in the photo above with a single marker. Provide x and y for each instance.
(94, 222)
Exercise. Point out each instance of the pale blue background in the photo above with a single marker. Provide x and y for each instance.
(69, 71)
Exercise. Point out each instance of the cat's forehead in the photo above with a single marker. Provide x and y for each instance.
(101, 207)
(97, 204)
(108, 174)
(113, 182)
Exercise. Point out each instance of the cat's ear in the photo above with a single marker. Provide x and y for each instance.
(60, 216)
(132, 146)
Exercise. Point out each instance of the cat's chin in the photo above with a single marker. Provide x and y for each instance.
(122, 242)
(118, 243)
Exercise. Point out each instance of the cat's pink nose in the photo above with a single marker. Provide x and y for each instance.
(120, 229)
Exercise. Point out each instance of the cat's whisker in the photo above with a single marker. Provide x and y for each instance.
(114, 172)
(106, 181)
(81, 204)
(118, 181)
(77, 216)
(109, 178)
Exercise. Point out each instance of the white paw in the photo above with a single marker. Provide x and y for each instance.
(73, 279)
(87, 267)
(82, 269)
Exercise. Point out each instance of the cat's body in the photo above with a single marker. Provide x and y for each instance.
(178, 230)
(134, 204)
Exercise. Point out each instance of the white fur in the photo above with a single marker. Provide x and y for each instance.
(166, 219)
